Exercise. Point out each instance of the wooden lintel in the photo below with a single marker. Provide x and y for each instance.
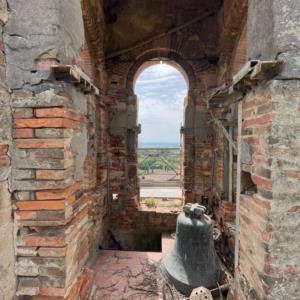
(265, 70)
(73, 74)
(243, 81)
(225, 97)
(245, 70)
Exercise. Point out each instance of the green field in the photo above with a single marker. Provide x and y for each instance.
(158, 159)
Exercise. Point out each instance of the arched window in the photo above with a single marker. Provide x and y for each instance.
(161, 89)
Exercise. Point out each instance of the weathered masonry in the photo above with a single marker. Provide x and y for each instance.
(69, 131)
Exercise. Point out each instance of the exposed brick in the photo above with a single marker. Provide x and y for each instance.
(42, 241)
(25, 215)
(50, 174)
(52, 252)
(262, 182)
(40, 205)
(39, 143)
(3, 149)
(23, 133)
(58, 113)
(4, 161)
(46, 123)
(44, 195)
(260, 120)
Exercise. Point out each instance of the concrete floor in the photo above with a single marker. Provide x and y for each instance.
(161, 192)
(129, 275)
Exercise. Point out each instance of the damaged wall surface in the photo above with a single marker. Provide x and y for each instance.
(69, 136)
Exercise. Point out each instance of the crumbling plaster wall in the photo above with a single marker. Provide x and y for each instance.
(269, 219)
(54, 132)
(7, 261)
(28, 38)
(272, 34)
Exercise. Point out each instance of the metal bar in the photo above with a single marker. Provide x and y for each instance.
(238, 187)
(230, 166)
(168, 164)
(142, 149)
(231, 142)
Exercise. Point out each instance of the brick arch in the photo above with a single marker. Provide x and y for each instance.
(173, 58)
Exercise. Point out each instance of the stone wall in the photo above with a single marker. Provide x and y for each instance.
(7, 261)
(268, 258)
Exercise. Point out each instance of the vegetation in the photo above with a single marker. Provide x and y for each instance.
(175, 204)
(150, 202)
(158, 159)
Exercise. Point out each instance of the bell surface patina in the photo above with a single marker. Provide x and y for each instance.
(193, 261)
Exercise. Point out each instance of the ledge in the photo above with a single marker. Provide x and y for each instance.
(73, 74)
(250, 75)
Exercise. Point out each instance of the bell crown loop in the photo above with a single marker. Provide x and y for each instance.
(194, 210)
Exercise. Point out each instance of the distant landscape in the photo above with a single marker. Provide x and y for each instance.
(159, 145)
(159, 159)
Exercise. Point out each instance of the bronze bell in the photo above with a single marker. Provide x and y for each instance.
(193, 261)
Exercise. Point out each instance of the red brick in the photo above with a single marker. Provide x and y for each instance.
(47, 297)
(44, 241)
(40, 205)
(23, 133)
(39, 143)
(60, 194)
(266, 236)
(262, 182)
(57, 112)
(260, 120)
(3, 149)
(26, 215)
(44, 123)
(290, 270)
(50, 174)
(4, 161)
(52, 252)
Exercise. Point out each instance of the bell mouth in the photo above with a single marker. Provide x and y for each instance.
(183, 279)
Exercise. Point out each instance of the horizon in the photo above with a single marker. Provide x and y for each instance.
(161, 90)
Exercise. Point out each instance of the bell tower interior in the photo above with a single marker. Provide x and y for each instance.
(73, 224)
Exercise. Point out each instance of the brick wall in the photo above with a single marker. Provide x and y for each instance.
(122, 74)
(59, 139)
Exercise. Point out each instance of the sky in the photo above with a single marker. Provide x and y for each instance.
(161, 90)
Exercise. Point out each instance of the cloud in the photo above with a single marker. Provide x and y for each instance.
(161, 90)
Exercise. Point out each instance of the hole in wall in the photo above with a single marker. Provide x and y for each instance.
(248, 187)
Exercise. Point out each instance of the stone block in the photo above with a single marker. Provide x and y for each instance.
(23, 174)
(53, 132)
(44, 99)
(35, 185)
(19, 113)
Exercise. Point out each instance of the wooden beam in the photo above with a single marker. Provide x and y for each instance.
(238, 187)
(225, 96)
(73, 74)
(244, 71)
(252, 72)
(230, 167)
(266, 70)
